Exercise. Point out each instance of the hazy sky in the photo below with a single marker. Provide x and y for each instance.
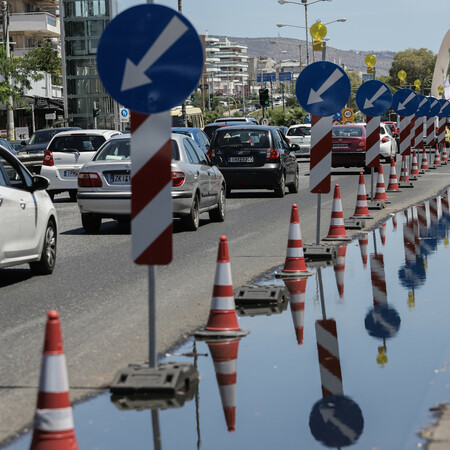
(371, 24)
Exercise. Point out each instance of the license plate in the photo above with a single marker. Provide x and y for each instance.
(240, 159)
(340, 145)
(71, 173)
(120, 178)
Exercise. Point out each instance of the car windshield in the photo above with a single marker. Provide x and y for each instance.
(348, 131)
(42, 137)
(390, 126)
(114, 150)
(240, 138)
(299, 131)
(76, 143)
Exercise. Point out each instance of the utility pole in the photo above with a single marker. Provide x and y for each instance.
(305, 4)
(9, 106)
(183, 105)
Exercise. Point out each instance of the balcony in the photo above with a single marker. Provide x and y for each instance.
(38, 25)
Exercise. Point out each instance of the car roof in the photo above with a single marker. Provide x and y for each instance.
(297, 125)
(81, 132)
(250, 126)
(43, 130)
(183, 129)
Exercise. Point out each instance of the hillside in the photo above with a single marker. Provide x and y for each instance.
(353, 59)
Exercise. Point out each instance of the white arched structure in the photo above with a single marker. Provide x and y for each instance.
(441, 67)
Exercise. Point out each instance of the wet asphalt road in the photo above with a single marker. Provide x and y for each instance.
(102, 296)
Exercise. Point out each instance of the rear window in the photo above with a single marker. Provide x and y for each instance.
(299, 131)
(114, 150)
(79, 143)
(248, 138)
(348, 132)
(175, 151)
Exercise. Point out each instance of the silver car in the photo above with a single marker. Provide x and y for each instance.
(300, 135)
(104, 184)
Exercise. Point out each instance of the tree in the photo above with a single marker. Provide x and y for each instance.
(45, 59)
(355, 83)
(21, 73)
(418, 65)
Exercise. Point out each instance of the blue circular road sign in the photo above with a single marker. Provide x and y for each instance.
(322, 88)
(382, 321)
(435, 107)
(445, 108)
(424, 106)
(150, 58)
(405, 102)
(336, 421)
(374, 98)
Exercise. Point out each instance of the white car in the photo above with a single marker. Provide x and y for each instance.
(66, 154)
(388, 144)
(300, 135)
(28, 220)
(104, 184)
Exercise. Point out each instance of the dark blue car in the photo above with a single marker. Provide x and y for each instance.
(197, 134)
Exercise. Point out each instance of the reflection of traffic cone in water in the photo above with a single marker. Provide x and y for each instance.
(53, 421)
(224, 354)
(424, 163)
(383, 233)
(294, 265)
(363, 247)
(297, 290)
(393, 184)
(362, 208)
(414, 165)
(394, 221)
(380, 193)
(337, 228)
(222, 321)
(339, 269)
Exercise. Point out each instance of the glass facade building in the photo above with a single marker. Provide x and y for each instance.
(84, 22)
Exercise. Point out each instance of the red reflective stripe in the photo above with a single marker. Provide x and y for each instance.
(53, 400)
(226, 378)
(136, 120)
(294, 243)
(158, 248)
(222, 291)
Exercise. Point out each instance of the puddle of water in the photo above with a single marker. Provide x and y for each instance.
(356, 361)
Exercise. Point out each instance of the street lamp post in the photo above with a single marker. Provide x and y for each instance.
(304, 3)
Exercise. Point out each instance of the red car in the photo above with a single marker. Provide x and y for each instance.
(349, 145)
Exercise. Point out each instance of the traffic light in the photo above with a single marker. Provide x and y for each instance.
(192, 97)
(95, 112)
(264, 97)
(211, 98)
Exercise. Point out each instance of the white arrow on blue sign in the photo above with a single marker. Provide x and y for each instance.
(445, 108)
(373, 98)
(435, 107)
(322, 88)
(155, 64)
(424, 106)
(405, 102)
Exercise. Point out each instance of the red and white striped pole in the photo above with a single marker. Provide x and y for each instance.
(320, 161)
(441, 139)
(430, 131)
(372, 147)
(405, 135)
(418, 133)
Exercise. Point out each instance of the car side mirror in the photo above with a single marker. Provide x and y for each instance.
(395, 135)
(294, 147)
(40, 183)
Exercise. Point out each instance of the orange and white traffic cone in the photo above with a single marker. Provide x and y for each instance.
(414, 165)
(424, 163)
(222, 321)
(294, 265)
(224, 355)
(297, 289)
(362, 208)
(380, 193)
(404, 171)
(444, 159)
(337, 231)
(53, 420)
(393, 184)
(383, 234)
(363, 247)
(437, 157)
(339, 269)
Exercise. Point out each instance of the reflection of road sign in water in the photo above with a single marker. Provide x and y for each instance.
(155, 64)
(424, 106)
(336, 421)
(412, 275)
(373, 98)
(382, 322)
(405, 102)
(322, 88)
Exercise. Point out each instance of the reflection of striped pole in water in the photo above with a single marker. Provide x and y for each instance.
(363, 247)
(224, 354)
(329, 360)
(433, 211)
(297, 290)
(422, 218)
(378, 279)
(416, 231)
(444, 205)
(339, 269)
(408, 242)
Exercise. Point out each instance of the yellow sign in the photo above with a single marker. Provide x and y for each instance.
(318, 30)
(402, 76)
(440, 89)
(347, 115)
(370, 60)
(417, 84)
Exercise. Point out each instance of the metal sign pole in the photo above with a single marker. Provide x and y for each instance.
(152, 316)
(372, 171)
(319, 201)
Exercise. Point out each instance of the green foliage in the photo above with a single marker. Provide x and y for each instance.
(291, 115)
(16, 75)
(418, 65)
(292, 102)
(45, 59)
(355, 83)
(386, 79)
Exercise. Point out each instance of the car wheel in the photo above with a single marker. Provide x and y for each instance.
(91, 223)
(293, 188)
(46, 264)
(218, 214)
(280, 190)
(192, 220)
(73, 195)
